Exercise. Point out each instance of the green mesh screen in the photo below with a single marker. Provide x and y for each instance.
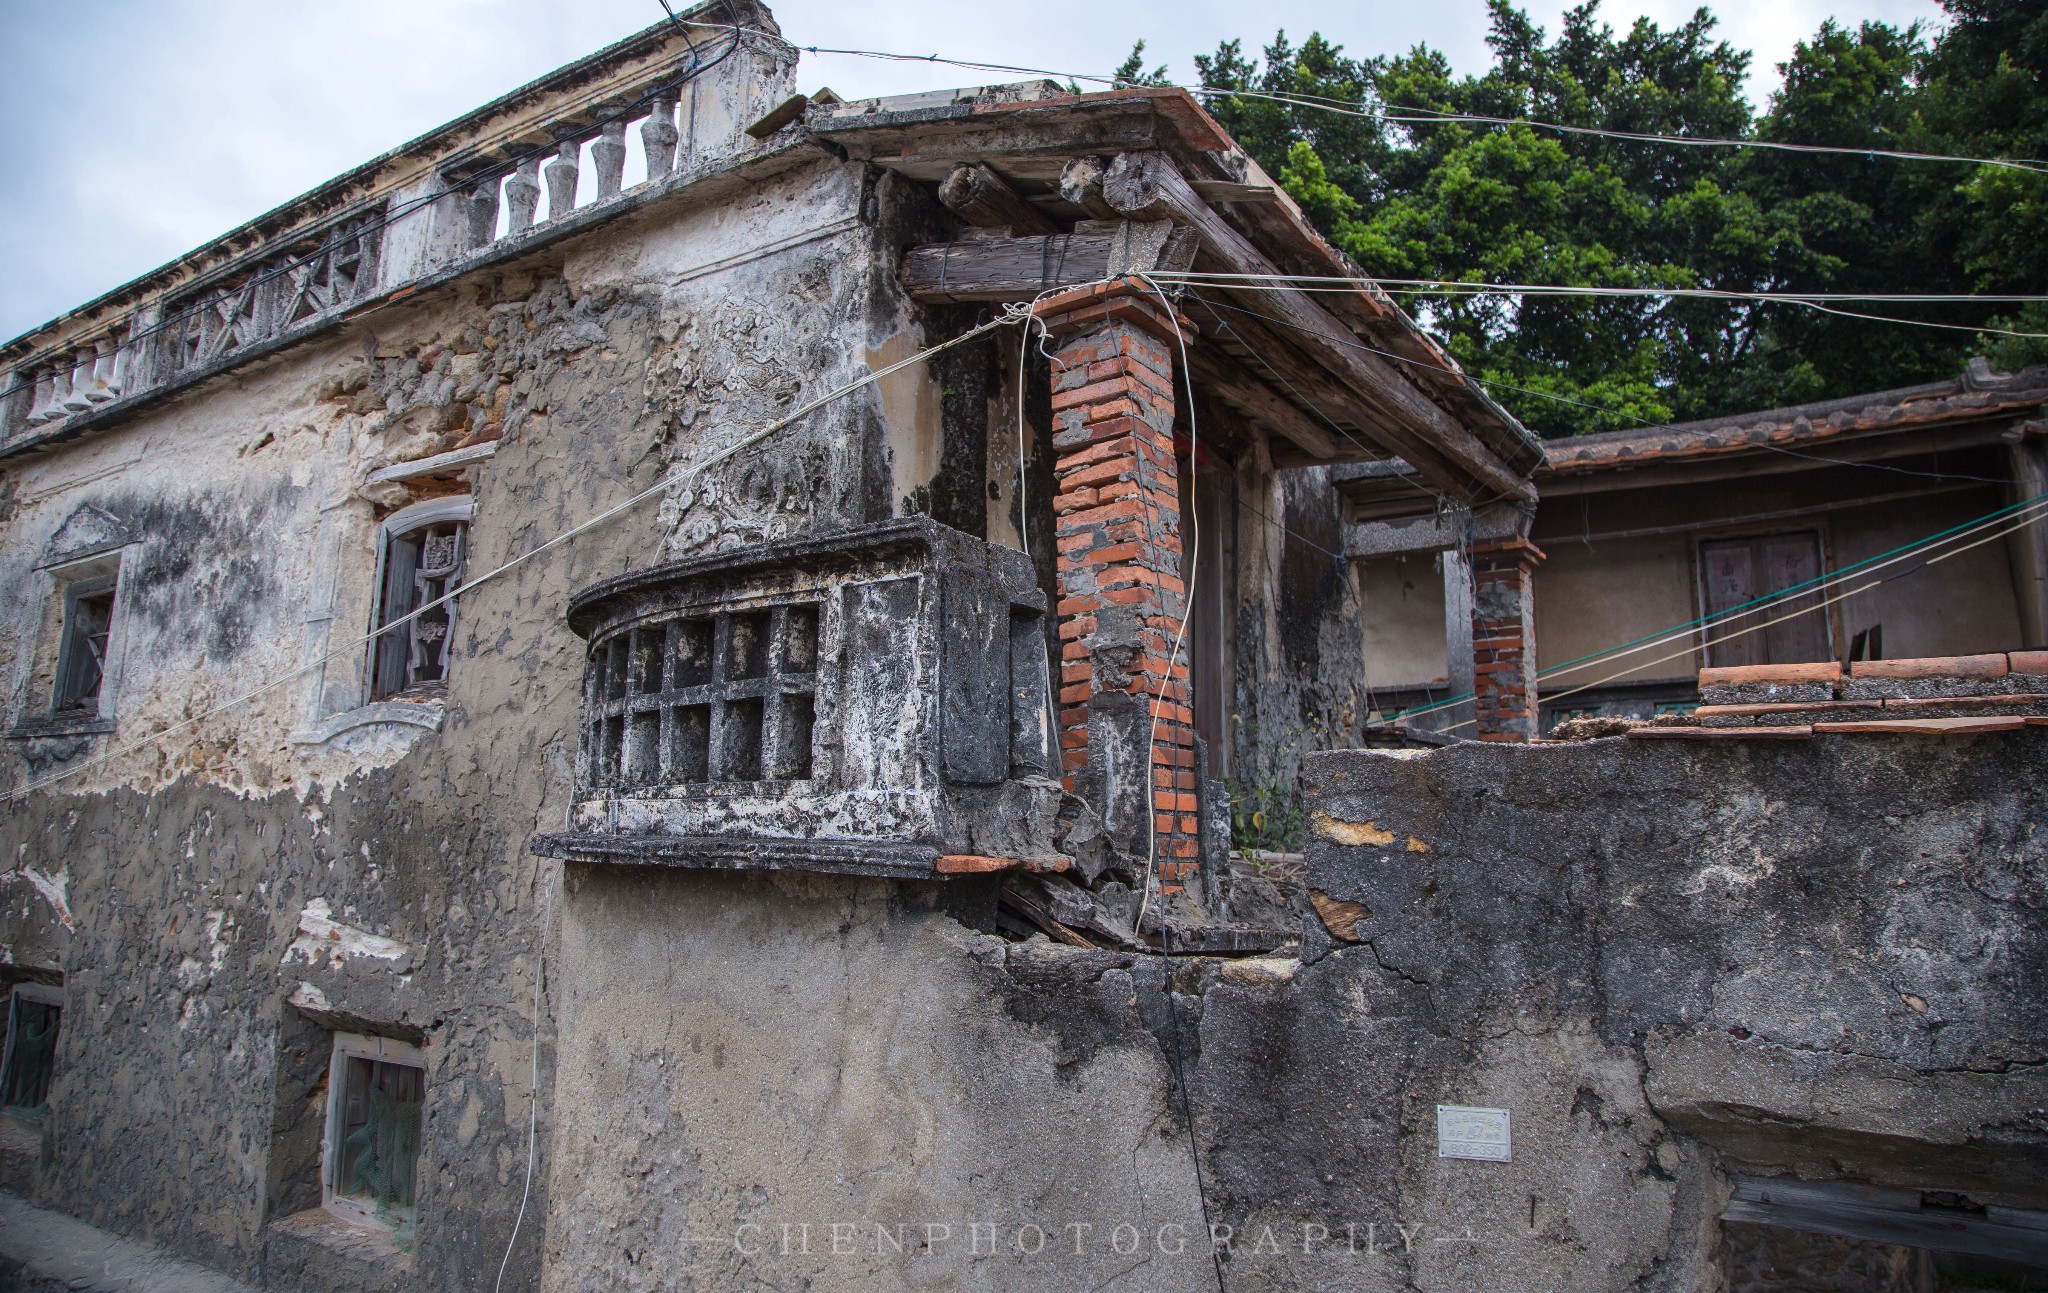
(380, 1133)
(31, 1055)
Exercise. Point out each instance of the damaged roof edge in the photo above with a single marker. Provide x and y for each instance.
(648, 47)
(1978, 394)
(1209, 151)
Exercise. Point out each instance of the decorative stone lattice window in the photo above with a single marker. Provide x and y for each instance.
(34, 1011)
(875, 702)
(730, 696)
(376, 1091)
(425, 548)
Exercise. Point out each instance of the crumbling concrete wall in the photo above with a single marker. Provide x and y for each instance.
(175, 888)
(1300, 677)
(1669, 962)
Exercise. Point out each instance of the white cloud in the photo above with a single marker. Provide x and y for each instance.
(156, 126)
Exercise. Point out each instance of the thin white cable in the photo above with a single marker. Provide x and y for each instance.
(1314, 283)
(1793, 615)
(1343, 283)
(540, 954)
(669, 481)
(1187, 600)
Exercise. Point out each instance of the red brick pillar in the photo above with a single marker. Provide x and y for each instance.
(1127, 736)
(1504, 639)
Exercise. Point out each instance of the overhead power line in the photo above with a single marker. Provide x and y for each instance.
(1426, 116)
(1432, 117)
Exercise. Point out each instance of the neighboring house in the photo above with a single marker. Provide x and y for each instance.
(1646, 532)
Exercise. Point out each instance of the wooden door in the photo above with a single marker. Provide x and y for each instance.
(1782, 627)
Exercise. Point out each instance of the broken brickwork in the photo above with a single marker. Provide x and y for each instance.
(1504, 638)
(1126, 731)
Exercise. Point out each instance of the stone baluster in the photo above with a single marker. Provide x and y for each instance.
(78, 397)
(608, 154)
(60, 390)
(483, 212)
(103, 388)
(562, 178)
(522, 193)
(120, 360)
(45, 406)
(658, 134)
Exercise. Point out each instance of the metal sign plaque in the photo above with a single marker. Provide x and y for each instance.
(1465, 1132)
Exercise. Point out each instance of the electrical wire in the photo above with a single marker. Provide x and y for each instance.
(540, 961)
(1793, 615)
(1194, 556)
(1433, 117)
(2037, 506)
(670, 481)
(1311, 283)
(1342, 283)
(1489, 383)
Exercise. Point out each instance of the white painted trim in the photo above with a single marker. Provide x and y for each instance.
(435, 465)
(427, 714)
(455, 507)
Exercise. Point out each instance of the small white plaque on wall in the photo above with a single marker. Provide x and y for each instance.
(1465, 1132)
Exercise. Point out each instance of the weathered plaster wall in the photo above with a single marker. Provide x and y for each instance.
(169, 885)
(755, 1052)
(1813, 959)
(1822, 965)
(1404, 621)
(1301, 676)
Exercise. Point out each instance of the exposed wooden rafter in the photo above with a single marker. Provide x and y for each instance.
(1148, 185)
(978, 195)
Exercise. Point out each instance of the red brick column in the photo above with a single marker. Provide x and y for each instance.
(1127, 736)
(1504, 639)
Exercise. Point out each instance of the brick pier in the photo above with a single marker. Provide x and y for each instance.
(1126, 733)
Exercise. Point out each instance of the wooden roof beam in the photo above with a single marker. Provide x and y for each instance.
(978, 195)
(1147, 185)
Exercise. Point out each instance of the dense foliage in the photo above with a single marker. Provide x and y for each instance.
(1483, 203)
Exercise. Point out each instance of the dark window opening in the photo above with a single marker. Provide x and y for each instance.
(82, 651)
(421, 566)
(31, 1053)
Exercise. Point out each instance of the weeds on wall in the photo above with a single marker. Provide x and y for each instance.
(1266, 819)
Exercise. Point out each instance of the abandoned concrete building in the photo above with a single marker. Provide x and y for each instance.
(645, 692)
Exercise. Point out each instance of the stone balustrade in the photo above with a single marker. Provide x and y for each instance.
(485, 192)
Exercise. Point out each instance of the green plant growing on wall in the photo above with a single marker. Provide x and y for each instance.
(1265, 819)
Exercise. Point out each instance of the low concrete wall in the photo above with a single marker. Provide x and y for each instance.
(1669, 964)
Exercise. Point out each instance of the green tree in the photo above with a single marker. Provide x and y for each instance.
(1363, 146)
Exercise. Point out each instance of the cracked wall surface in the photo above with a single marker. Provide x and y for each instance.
(219, 901)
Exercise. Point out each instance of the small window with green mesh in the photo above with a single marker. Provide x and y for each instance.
(376, 1090)
(33, 1012)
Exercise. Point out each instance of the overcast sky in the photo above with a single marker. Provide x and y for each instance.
(141, 130)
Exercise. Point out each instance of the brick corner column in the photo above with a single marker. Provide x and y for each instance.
(1127, 737)
(1504, 639)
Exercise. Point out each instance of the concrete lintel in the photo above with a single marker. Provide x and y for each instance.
(1435, 533)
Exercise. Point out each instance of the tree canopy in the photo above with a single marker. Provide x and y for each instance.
(1411, 196)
